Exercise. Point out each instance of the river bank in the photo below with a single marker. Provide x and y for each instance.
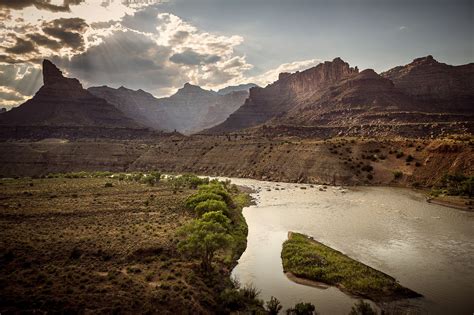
(426, 247)
(308, 261)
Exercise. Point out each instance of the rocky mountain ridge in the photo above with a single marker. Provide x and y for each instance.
(63, 102)
(191, 109)
(333, 94)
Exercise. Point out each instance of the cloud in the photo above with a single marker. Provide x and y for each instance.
(401, 28)
(190, 57)
(68, 31)
(126, 58)
(44, 41)
(39, 4)
(18, 82)
(21, 47)
(272, 75)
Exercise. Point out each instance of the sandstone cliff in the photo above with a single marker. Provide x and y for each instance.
(420, 96)
(439, 86)
(62, 101)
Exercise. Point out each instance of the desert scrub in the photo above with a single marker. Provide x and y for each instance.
(309, 259)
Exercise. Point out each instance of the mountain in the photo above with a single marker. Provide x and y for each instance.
(443, 86)
(335, 95)
(190, 110)
(62, 102)
(236, 88)
(139, 105)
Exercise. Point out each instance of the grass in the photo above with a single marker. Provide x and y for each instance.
(309, 259)
(75, 243)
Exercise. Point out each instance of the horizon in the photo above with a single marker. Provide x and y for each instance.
(158, 46)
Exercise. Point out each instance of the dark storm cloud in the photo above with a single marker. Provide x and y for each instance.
(191, 58)
(21, 47)
(44, 41)
(39, 4)
(68, 31)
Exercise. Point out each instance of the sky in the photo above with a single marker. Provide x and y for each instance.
(158, 45)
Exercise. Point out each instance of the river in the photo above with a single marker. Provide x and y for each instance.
(427, 248)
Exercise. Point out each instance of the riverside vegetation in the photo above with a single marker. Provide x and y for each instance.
(306, 258)
(113, 242)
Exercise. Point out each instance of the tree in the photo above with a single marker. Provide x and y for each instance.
(362, 308)
(205, 236)
(273, 306)
(210, 206)
(302, 309)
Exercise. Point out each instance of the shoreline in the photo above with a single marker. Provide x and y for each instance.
(376, 298)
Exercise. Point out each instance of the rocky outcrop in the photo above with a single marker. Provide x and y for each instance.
(277, 98)
(439, 86)
(236, 88)
(333, 95)
(63, 102)
(190, 110)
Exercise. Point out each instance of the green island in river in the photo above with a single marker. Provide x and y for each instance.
(306, 259)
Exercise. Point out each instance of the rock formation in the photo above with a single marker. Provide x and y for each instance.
(236, 88)
(63, 102)
(440, 86)
(191, 109)
(334, 95)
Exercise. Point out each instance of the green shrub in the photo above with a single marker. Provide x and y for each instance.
(195, 199)
(362, 308)
(211, 205)
(273, 306)
(108, 185)
(302, 309)
(409, 158)
(218, 189)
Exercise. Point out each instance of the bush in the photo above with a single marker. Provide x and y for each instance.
(218, 189)
(399, 154)
(409, 158)
(108, 185)
(367, 168)
(397, 174)
(211, 205)
(195, 199)
(302, 309)
(273, 306)
(362, 308)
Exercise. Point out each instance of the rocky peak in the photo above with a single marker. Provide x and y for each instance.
(428, 60)
(313, 79)
(51, 73)
(52, 76)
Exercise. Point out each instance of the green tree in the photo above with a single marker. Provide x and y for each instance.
(273, 306)
(362, 308)
(302, 309)
(205, 236)
(211, 205)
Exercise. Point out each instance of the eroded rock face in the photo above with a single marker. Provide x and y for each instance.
(277, 98)
(443, 86)
(335, 95)
(62, 101)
